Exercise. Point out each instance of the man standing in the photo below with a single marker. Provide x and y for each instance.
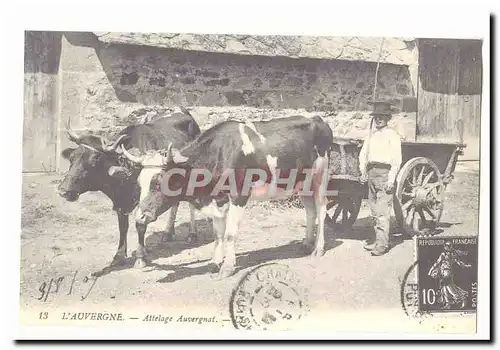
(379, 162)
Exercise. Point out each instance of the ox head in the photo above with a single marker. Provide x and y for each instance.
(91, 163)
(162, 180)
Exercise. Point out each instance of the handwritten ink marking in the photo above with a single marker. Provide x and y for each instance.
(56, 283)
(48, 290)
(45, 293)
(72, 283)
(42, 290)
(90, 289)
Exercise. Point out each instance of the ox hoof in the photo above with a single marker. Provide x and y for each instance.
(140, 263)
(307, 244)
(118, 260)
(318, 252)
(226, 272)
(214, 269)
(167, 237)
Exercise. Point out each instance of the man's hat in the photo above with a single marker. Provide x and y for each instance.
(381, 108)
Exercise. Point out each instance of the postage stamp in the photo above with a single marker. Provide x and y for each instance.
(447, 274)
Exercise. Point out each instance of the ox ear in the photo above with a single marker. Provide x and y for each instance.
(67, 152)
(177, 157)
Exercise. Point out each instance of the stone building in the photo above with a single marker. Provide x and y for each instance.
(103, 81)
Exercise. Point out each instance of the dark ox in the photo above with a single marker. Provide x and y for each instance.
(98, 165)
(270, 149)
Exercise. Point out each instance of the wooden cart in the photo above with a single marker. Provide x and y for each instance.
(426, 170)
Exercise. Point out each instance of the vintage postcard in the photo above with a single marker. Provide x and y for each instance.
(189, 183)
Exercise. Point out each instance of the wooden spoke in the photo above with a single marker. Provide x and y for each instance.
(337, 213)
(348, 207)
(405, 206)
(345, 214)
(434, 192)
(427, 178)
(409, 218)
(431, 214)
(421, 175)
(415, 173)
(434, 186)
(408, 186)
(331, 204)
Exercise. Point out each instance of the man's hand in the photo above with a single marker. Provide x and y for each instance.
(389, 187)
(363, 178)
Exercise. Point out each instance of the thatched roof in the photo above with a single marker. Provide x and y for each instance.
(395, 50)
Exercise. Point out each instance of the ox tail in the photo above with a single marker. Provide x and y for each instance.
(193, 128)
(323, 135)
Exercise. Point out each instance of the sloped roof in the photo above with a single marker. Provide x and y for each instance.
(398, 51)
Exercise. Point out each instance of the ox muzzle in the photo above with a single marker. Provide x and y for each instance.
(70, 196)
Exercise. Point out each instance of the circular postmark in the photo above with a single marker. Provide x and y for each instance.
(270, 296)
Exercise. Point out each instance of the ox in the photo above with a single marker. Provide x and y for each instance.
(253, 157)
(98, 165)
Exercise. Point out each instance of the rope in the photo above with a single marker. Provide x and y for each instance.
(376, 71)
(373, 99)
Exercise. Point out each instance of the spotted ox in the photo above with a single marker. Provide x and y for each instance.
(234, 162)
(98, 165)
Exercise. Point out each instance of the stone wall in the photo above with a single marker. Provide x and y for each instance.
(118, 74)
(171, 77)
(107, 86)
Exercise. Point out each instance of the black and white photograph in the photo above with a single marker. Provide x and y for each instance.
(177, 181)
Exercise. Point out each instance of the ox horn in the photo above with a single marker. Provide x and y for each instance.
(167, 155)
(115, 144)
(178, 157)
(73, 136)
(131, 157)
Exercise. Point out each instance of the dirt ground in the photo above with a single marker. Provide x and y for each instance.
(71, 240)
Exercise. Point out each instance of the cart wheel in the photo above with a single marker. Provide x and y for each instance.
(419, 197)
(346, 211)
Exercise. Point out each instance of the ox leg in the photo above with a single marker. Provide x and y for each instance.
(140, 253)
(219, 225)
(193, 234)
(168, 234)
(233, 218)
(320, 201)
(121, 253)
(310, 207)
(319, 249)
